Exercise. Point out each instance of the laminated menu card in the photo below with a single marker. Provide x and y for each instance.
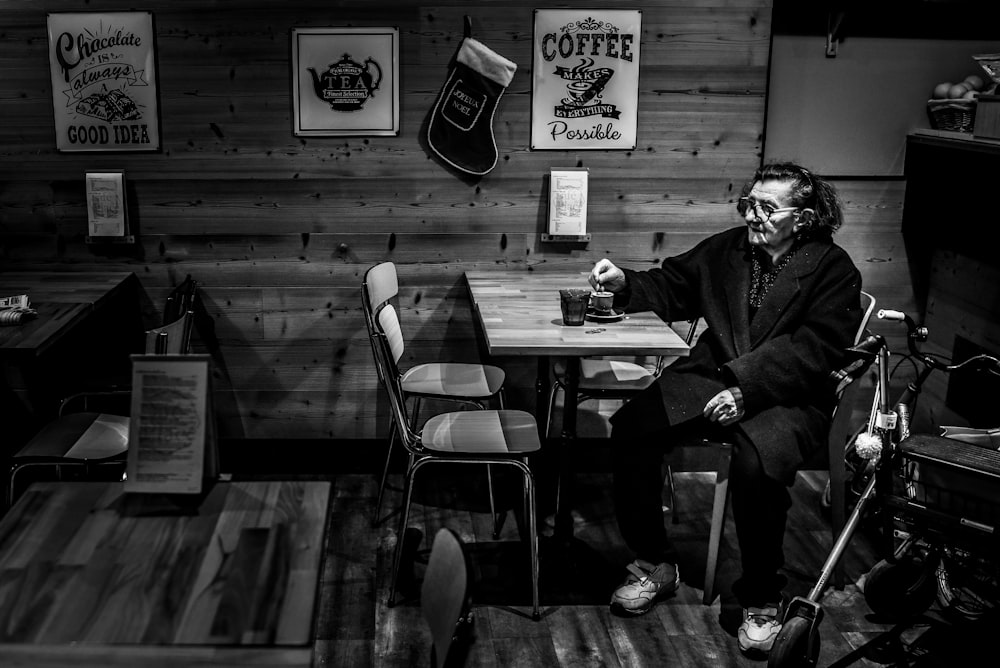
(171, 435)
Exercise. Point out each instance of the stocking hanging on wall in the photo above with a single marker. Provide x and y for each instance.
(461, 126)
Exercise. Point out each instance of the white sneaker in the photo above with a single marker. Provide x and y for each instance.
(645, 583)
(759, 629)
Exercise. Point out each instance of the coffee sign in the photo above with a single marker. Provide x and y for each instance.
(585, 79)
(103, 81)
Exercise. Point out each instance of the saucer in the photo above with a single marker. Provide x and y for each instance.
(602, 316)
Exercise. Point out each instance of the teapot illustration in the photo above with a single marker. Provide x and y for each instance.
(347, 84)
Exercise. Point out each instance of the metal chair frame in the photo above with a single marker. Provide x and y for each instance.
(421, 456)
(380, 287)
(173, 337)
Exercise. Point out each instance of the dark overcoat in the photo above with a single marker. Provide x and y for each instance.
(781, 360)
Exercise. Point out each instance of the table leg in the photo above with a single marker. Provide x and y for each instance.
(564, 485)
(542, 397)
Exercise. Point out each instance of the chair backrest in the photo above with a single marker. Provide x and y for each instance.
(379, 287)
(180, 300)
(381, 283)
(867, 308)
(841, 423)
(444, 595)
(173, 338)
(688, 328)
(389, 375)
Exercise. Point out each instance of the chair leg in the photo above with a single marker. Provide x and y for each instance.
(401, 532)
(385, 475)
(533, 537)
(497, 517)
(672, 491)
(552, 406)
(529, 494)
(493, 509)
(718, 521)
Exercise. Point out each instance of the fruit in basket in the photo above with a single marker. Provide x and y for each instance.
(941, 90)
(970, 95)
(958, 90)
(976, 82)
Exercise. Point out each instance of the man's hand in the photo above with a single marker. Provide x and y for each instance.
(726, 407)
(606, 276)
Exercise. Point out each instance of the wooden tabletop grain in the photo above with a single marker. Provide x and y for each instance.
(520, 315)
(84, 562)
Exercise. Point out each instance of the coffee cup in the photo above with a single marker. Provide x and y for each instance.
(602, 301)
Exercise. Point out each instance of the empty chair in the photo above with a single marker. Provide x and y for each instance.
(493, 437)
(86, 439)
(444, 599)
(617, 378)
(467, 383)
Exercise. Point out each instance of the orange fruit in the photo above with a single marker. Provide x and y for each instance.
(941, 90)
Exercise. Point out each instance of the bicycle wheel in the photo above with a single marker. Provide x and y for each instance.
(900, 590)
(967, 587)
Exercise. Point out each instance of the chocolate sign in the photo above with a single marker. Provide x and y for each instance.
(103, 81)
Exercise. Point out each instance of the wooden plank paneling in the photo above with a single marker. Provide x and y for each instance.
(280, 229)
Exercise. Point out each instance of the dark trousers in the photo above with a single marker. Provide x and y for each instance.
(760, 504)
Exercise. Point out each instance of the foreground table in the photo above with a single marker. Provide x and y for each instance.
(234, 571)
(519, 314)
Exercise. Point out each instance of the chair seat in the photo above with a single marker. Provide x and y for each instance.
(611, 375)
(453, 379)
(79, 437)
(485, 432)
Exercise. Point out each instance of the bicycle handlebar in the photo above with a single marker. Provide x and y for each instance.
(887, 314)
(915, 333)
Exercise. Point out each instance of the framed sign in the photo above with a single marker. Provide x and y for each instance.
(585, 79)
(103, 69)
(345, 82)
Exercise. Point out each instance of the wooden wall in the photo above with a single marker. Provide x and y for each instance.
(280, 229)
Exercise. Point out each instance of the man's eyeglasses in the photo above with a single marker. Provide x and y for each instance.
(761, 210)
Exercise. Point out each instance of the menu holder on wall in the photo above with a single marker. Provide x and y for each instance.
(107, 212)
(172, 447)
(567, 205)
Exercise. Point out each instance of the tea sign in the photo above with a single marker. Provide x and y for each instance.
(345, 81)
(103, 69)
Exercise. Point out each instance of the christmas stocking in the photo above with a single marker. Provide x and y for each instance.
(461, 127)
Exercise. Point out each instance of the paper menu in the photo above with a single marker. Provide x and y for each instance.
(171, 442)
(106, 204)
(568, 202)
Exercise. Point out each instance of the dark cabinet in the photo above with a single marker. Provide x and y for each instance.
(952, 201)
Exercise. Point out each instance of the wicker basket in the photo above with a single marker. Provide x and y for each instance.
(954, 115)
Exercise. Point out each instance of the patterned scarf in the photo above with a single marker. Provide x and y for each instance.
(762, 279)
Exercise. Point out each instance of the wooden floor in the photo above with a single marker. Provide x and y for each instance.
(355, 627)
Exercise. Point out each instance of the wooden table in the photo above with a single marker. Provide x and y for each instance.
(226, 578)
(71, 306)
(520, 315)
